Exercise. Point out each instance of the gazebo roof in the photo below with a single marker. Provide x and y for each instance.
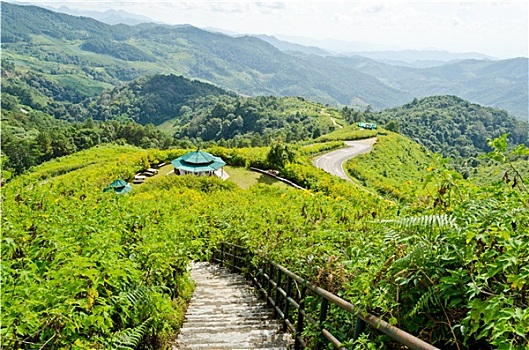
(198, 157)
(117, 184)
(198, 161)
(119, 187)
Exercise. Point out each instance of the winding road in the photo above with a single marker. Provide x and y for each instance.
(332, 162)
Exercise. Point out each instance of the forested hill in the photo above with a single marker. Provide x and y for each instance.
(40, 123)
(452, 126)
(150, 100)
(444, 124)
(78, 51)
(84, 48)
(21, 23)
(197, 110)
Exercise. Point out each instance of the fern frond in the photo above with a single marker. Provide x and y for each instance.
(429, 221)
(139, 294)
(135, 296)
(130, 338)
(391, 236)
(425, 303)
(440, 221)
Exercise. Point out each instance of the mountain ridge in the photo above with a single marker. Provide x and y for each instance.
(45, 40)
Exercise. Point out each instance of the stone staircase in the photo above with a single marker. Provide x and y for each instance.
(224, 313)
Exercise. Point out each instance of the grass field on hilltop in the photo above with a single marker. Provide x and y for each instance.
(246, 178)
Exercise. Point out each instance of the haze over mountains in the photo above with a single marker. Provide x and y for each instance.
(322, 47)
(99, 54)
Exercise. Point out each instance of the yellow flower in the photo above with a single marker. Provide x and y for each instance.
(92, 295)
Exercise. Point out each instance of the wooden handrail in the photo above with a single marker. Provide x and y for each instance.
(265, 283)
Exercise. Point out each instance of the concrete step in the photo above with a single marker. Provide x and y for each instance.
(201, 323)
(254, 336)
(216, 328)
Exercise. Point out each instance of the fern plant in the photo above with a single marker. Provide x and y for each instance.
(130, 338)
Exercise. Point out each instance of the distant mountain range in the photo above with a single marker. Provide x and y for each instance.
(412, 58)
(404, 58)
(82, 52)
(109, 16)
(500, 84)
(419, 58)
(288, 46)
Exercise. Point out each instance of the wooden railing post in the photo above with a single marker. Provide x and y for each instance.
(269, 287)
(324, 306)
(233, 254)
(299, 325)
(221, 254)
(360, 327)
(261, 276)
(286, 308)
(276, 300)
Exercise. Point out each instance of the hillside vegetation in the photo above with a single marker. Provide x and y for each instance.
(195, 110)
(396, 167)
(41, 123)
(150, 99)
(36, 127)
(453, 127)
(43, 120)
(112, 272)
(84, 48)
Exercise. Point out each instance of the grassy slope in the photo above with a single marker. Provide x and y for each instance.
(80, 247)
(245, 178)
(396, 167)
(351, 132)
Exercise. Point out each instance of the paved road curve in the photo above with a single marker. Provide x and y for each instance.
(332, 162)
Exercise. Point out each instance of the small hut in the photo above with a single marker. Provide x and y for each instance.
(199, 163)
(119, 187)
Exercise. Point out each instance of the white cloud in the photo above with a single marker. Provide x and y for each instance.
(228, 7)
(272, 5)
(375, 8)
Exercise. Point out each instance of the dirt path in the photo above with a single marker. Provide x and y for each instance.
(335, 123)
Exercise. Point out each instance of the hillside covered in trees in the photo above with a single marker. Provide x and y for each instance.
(447, 125)
(38, 113)
(195, 110)
(453, 127)
(43, 120)
(79, 51)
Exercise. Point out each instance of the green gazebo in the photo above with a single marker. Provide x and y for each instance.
(198, 163)
(119, 187)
